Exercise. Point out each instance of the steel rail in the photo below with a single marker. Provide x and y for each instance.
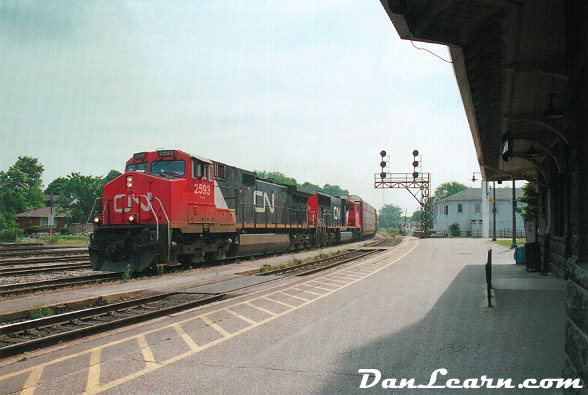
(51, 268)
(29, 261)
(25, 327)
(44, 251)
(29, 287)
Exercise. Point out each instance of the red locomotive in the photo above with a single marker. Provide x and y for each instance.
(170, 208)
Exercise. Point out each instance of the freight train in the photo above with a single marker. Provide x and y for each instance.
(171, 208)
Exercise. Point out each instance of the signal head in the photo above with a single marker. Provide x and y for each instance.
(383, 153)
(415, 153)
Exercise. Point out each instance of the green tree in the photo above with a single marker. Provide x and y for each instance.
(278, 177)
(449, 188)
(78, 195)
(311, 186)
(389, 216)
(530, 211)
(334, 190)
(20, 189)
(57, 186)
(112, 174)
(416, 216)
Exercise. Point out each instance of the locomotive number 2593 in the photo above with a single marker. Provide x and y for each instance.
(201, 189)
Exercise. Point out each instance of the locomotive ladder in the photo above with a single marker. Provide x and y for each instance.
(321, 232)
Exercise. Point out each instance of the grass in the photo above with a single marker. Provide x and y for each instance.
(508, 242)
(42, 312)
(76, 240)
(295, 261)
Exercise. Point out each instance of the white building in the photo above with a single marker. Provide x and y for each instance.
(471, 209)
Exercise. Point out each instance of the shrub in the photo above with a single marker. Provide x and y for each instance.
(29, 230)
(454, 229)
(64, 231)
(10, 235)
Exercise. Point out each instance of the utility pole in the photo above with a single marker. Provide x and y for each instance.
(514, 216)
(494, 211)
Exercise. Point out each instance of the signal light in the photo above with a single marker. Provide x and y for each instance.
(415, 174)
(382, 175)
(415, 152)
(382, 164)
(383, 153)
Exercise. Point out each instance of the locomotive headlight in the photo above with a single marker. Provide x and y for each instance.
(132, 217)
(129, 181)
(97, 219)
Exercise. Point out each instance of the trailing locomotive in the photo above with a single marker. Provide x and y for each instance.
(170, 208)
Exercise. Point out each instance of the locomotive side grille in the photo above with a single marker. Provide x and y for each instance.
(220, 170)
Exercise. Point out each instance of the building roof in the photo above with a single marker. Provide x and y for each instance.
(43, 212)
(509, 59)
(476, 194)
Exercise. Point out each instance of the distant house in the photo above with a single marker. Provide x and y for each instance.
(472, 211)
(46, 217)
(409, 226)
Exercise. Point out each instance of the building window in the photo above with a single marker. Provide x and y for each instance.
(477, 208)
(446, 210)
(459, 208)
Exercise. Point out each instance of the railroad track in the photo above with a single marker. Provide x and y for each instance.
(37, 286)
(35, 261)
(322, 264)
(15, 262)
(4, 272)
(28, 335)
(19, 337)
(41, 250)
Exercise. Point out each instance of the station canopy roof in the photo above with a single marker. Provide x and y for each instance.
(509, 62)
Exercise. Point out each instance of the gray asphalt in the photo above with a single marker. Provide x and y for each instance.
(425, 312)
(419, 308)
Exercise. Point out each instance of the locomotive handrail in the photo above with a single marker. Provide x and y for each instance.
(150, 206)
(168, 224)
(92, 211)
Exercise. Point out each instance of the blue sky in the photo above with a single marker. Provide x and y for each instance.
(314, 89)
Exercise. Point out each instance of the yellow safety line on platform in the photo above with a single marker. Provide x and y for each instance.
(215, 326)
(94, 371)
(32, 381)
(187, 339)
(93, 383)
(241, 317)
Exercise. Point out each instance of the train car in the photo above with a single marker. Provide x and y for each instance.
(170, 208)
(362, 215)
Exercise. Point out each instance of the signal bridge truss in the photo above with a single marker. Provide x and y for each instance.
(419, 187)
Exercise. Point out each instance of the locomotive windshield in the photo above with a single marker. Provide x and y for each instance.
(169, 166)
(142, 167)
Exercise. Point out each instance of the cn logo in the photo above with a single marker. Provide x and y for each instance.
(120, 199)
(336, 213)
(265, 202)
